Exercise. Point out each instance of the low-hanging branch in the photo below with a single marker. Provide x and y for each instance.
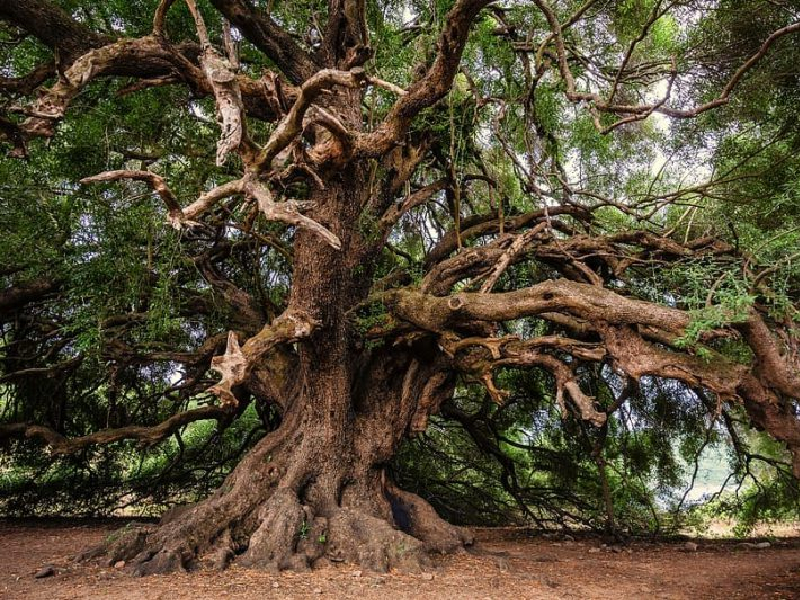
(561, 295)
(622, 324)
(59, 444)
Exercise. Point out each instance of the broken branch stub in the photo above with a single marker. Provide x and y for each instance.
(232, 366)
(220, 72)
(235, 365)
(228, 98)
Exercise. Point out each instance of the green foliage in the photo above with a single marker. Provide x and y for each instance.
(305, 527)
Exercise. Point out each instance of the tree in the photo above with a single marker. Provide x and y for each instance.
(368, 236)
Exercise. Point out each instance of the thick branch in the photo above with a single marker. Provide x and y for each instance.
(292, 124)
(147, 435)
(53, 26)
(270, 38)
(18, 296)
(220, 74)
(578, 299)
(774, 367)
(26, 84)
(287, 212)
(512, 352)
(237, 363)
(432, 87)
(152, 60)
(50, 371)
(139, 57)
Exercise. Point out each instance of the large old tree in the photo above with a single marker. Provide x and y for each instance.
(363, 205)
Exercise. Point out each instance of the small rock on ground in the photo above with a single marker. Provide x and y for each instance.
(752, 546)
(46, 571)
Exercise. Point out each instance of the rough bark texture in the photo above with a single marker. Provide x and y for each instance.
(315, 489)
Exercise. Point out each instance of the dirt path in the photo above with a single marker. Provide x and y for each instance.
(500, 567)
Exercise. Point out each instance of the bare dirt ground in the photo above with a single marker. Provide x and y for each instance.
(503, 564)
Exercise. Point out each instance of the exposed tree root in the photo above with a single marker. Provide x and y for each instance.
(283, 522)
(422, 522)
(373, 543)
(264, 518)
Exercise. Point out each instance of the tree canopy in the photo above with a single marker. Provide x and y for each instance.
(527, 260)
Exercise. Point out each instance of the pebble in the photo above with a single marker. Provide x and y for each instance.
(427, 576)
(46, 571)
(594, 550)
(762, 545)
(357, 573)
(690, 547)
(276, 585)
(120, 564)
(317, 590)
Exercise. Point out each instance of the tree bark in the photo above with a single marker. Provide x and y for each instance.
(315, 489)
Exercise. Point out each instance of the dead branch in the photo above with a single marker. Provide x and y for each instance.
(237, 362)
(154, 181)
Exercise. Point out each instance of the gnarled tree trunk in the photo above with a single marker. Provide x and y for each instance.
(315, 489)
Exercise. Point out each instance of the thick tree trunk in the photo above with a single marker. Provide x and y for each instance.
(315, 489)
